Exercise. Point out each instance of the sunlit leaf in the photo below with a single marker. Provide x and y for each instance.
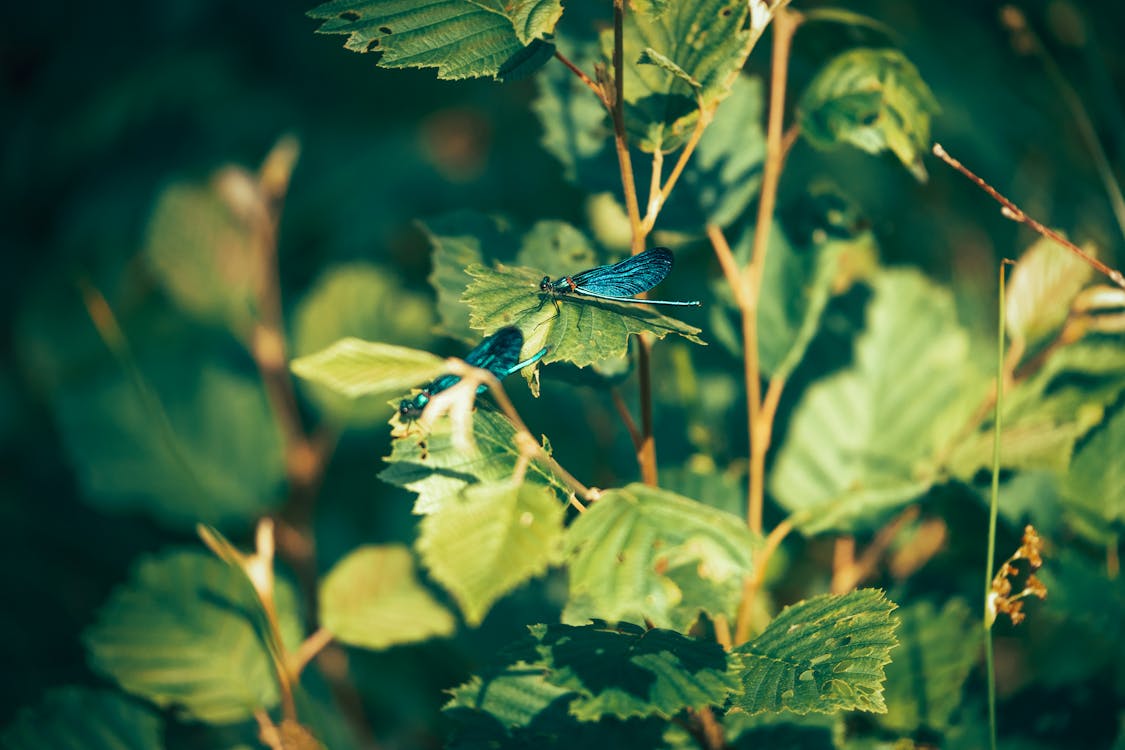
(372, 599)
(461, 38)
(865, 440)
(353, 367)
(582, 331)
(824, 654)
(433, 467)
(636, 672)
(873, 99)
(1040, 290)
(491, 539)
(514, 694)
(186, 633)
(203, 245)
(189, 445)
(929, 667)
(641, 553)
(362, 301)
(73, 717)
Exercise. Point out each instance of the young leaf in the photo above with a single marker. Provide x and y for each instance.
(634, 672)
(353, 368)
(583, 331)
(200, 446)
(927, 673)
(372, 599)
(461, 38)
(1040, 290)
(363, 301)
(641, 553)
(873, 99)
(484, 544)
(864, 441)
(71, 717)
(185, 633)
(201, 245)
(824, 654)
(433, 467)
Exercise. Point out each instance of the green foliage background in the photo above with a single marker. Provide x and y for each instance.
(105, 108)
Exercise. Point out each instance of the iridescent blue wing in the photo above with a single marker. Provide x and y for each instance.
(498, 353)
(635, 274)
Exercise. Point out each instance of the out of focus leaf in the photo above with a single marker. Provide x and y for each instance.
(583, 331)
(353, 367)
(928, 670)
(433, 467)
(1040, 290)
(372, 599)
(491, 539)
(873, 99)
(643, 554)
(73, 717)
(824, 654)
(204, 245)
(186, 633)
(636, 672)
(552, 728)
(514, 695)
(864, 441)
(197, 445)
(461, 38)
(723, 490)
(1094, 488)
(362, 301)
(700, 46)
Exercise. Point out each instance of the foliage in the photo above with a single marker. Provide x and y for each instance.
(688, 529)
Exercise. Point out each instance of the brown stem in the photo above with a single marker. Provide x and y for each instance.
(713, 734)
(753, 582)
(308, 649)
(655, 203)
(590, 82)
(1015, 213)
(847, 577)
(627, 418)
(647, 453)
(620, 138)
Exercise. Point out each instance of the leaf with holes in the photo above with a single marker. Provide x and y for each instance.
(866, 440)
(873, 99)
(642, 553)
(372, 599)
(461, 38)
(73, 717)
(185, 633)
(354, 368)
(583, 331)
(432, 466)
(488, 541)
(824, 654)
(631, 671)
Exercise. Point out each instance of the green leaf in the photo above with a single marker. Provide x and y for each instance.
(461, 38)
(514, 694)
(438, 471)
(824, 654)
(864, 441)
(190, 445)
(1094, 488)
(372, 599)
(641, 553)
(72, 717)
(186, 632)
(684, 57)
(493, 538)
(724, 490)
(201, 245)
(1040, 290)
(363, 301)
(353, 368)
(634, 672)
(873, 99)
(925, 678)
(582, 332)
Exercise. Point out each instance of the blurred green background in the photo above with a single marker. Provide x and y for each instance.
(105, 106)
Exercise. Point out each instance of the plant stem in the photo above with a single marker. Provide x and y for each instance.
(1015, 213)
(753, 583)
(993, 512)
(591, 83)
(648, 442)
(627, 418)
(620, 137)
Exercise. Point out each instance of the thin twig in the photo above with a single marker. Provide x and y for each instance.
(655, 198)
(753, 583)
(648, 439)
(308, 649)
(590, 82)
(1015, 213)
(656, 202)
(846, 577)
(729, 265)
(620, 138)
(627, 418)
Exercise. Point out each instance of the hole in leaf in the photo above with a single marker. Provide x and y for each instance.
(870, 119)
(385, 30)
(349, 15)
(373, 44)
(725, 12)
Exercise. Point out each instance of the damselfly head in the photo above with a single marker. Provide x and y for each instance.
(410, 409)
(545, 284)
